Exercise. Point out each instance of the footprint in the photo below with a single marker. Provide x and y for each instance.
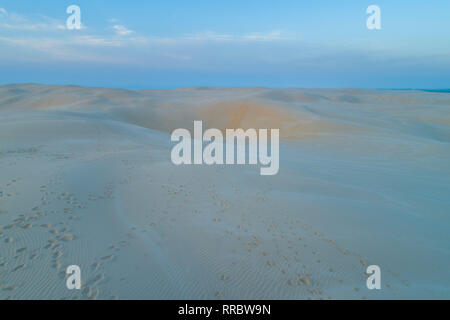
(10, 288)
(91, 292)
(67, 237)
(305, 281)
(98, 278)
(110, 257)
(50, 246)
(19, 267)
(21, 250)
(57, 265)
(34, 256)
(95, 266)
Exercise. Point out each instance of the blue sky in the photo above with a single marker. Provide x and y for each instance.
(166, 44)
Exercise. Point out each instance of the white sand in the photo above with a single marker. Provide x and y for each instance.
(86, 179)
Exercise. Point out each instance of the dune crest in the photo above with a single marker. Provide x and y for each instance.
(87, 180)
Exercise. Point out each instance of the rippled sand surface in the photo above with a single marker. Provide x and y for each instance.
(86, 179)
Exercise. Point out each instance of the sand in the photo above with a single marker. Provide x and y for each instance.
(86, 179)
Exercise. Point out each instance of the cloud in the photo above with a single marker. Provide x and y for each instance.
(32, 27)
(72, 49)
(18, 22)
(73, 46)
(122, 30)
(94, 41)
(250, 37)
(40, 37)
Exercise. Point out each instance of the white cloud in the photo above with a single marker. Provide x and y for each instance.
(39, 34)
(94, 41)
(122, 30)
(250, 37)
(18, 22)
(32, 27)
(78, 48)
(90, 47)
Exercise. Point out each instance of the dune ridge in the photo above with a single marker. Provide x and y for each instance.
(87, 179)
(298, 113)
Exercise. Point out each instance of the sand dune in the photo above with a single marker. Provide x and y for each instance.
(335, 111)
(86, 179)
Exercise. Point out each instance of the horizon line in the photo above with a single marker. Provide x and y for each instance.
(440, 90)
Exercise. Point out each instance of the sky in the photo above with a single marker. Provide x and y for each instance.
(137, 44)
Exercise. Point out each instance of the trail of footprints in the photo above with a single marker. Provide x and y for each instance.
(297, 255)
(21, 235)
(20, 250)
(292, 242)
